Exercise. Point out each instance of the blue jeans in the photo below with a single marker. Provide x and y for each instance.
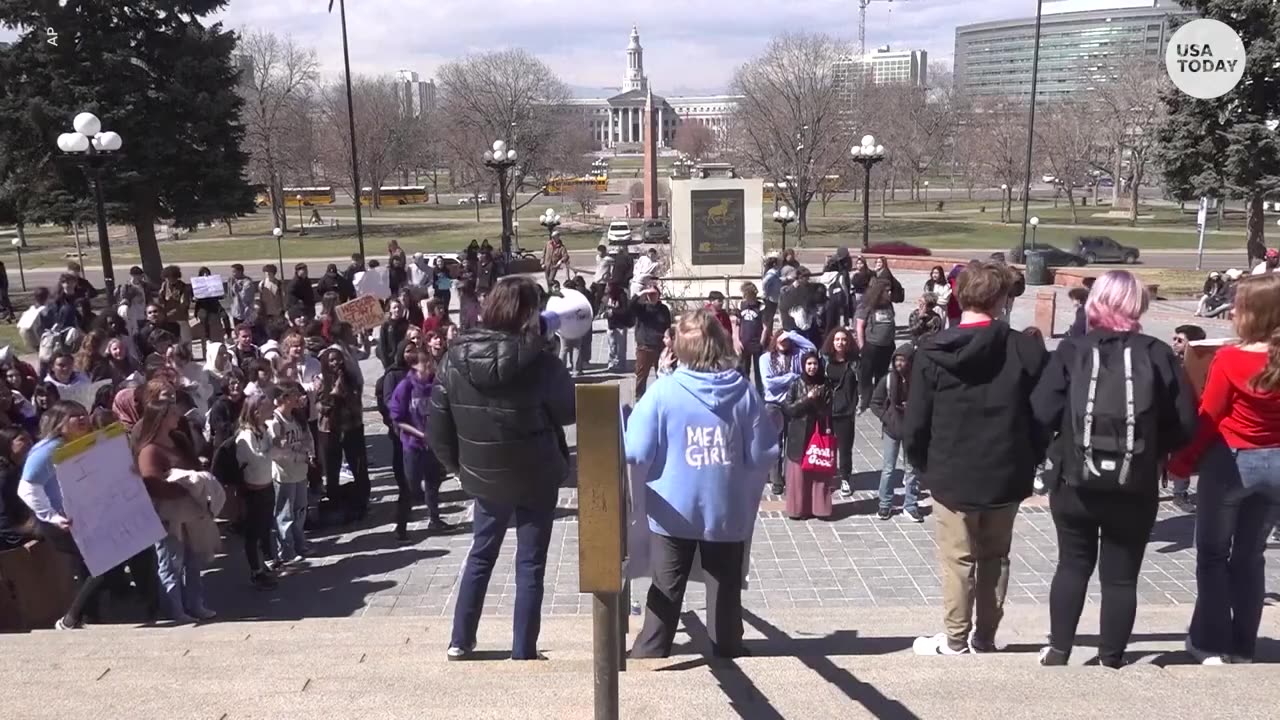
(422, 470)
(533, 536)
(1239, 491)
(180, 581)
(911, 487)
(291, 519)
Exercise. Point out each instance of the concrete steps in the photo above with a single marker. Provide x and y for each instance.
(804, 664)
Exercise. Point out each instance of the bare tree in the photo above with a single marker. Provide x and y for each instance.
(382, 133)
(1002, 128)
(1064, 139)
(790, 123)
(586, 196)
(694, 139)
(279, 74)
(1133, 113)
(917, 124)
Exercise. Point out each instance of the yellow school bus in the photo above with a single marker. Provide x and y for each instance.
(310, 196)
(557, 186)
(396, 195)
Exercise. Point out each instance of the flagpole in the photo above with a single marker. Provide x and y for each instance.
(351, 125)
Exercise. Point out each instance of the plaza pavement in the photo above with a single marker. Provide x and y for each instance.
(851, 561)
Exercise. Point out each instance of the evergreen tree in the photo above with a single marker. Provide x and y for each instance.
(1228, 146)
(154, 74)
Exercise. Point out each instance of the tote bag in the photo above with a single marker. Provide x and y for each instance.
(820, 453)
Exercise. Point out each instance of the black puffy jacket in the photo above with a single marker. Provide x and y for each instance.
(497, 417)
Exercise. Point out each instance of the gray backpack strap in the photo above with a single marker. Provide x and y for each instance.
(1087, 435)
(1129, 415)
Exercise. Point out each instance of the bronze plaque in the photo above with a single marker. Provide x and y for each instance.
(719, 227)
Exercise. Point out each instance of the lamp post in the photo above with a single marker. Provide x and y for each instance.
(279, 246)
(1031, 127)
(1004, 192)
(1035, 222)
(22, 274)
(867, 154)
(302, 228)
(784, 216)
(91, 148)
(926, 196)
(502, 159)
(550, 220)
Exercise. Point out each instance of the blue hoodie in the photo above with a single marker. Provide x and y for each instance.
(776, 383)
(408, 406)
(709, 446)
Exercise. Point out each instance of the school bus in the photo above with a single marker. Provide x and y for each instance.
(396, 194)
(310, 196)
(556, 186)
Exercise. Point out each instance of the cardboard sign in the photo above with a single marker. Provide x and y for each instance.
(363, 313)
(112, 518)
(1198, 358)
(207, 287)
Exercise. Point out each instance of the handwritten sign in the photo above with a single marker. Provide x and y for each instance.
(112, 518)
(364, 313)
(204, 287)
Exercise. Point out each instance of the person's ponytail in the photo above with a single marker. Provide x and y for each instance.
(1268, 380)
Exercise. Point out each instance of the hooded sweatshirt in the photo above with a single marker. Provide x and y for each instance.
(968, 425)
(408, 405)
(889, 399)
(708, 446)
(776, 383)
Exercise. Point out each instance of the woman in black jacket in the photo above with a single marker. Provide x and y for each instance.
(497, 419)
(16, 523)
(224, 415)
(392, 333)
(841, 353)
(1100, 522)
(403, 358)
(806, 407)
(300, 293)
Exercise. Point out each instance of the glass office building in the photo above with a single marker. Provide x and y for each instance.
(1081, 44)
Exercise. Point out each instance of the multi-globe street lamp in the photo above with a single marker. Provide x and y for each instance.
(550, 220)
(501, 159)
(22, 273)
(279, 235)
(91, 147)
(784, 216)
(867, 154)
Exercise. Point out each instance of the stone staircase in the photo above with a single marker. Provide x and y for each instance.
(819, 664)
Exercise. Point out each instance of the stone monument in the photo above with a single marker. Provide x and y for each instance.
(717, 236)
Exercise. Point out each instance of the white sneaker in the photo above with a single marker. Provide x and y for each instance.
(936, 645)
(1204, 658)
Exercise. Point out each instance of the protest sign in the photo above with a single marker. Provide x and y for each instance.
(112, 518)
(207, 286)
(363, 313)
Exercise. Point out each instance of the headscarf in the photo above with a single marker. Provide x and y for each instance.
(125, 407)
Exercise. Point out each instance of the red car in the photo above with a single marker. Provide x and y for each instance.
(896, 247)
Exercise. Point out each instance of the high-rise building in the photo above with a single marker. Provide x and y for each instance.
(417, 98)
(885, 66)
(1082, 43)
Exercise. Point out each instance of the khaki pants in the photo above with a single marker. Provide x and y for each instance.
(646, 360)
(973, 548)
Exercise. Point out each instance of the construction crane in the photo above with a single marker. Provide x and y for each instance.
(862, 24)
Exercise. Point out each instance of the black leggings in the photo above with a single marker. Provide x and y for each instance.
(846, 434)
(1108, 530)
(749, 366)
(259, 520)
(333, 446)
(873, 366)
(143, 569)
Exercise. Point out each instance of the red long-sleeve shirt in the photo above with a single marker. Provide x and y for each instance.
(1243, 417)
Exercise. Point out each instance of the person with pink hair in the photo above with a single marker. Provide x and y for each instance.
(1118, 403)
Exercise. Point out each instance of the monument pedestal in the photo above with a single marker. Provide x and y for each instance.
(717, 237)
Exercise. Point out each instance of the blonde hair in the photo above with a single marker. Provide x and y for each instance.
(701, 343)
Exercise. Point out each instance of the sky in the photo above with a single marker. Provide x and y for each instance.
(690, 45)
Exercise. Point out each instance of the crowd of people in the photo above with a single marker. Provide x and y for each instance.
(972, 407)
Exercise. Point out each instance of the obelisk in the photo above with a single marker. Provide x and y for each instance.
(650, 139)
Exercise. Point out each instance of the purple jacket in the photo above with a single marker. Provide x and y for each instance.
(408, 405)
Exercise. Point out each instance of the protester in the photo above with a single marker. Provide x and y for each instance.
(84, 290)
(63, 374)
(708, 445)
(254, 453)
(225, 412)
(119, 365)
(333, 282)
(469, 302)
(1183, 336)
(554, 257)
(212, 317)
(174, 301)
(44, 397)
(807, 408)
(409, 407)
(748, 333)
(715, 305)
(243, 292)
(771, 290)
(841, 357)
(1237, 450)
(1105, 500)
(618, 319)
(1270, 263)
(501, 370)
(405, 358)
(293, 451)
(92, 353)
(789, 259)
(939, 286)
(340, 421)
(875, 331)
(444, 282)
(652, 318)
(603, 271)
(300, 295)
(160, 447)
(968, 429)
(17, 524)
(1213, 294)
(798, 305)
(924, 320)
(132, 307)
(62, 313)
(889, 403)
(392, 332)
(779, 368)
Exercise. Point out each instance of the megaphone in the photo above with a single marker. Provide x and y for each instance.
(568, 315)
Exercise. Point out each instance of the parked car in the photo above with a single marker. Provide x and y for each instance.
(895, 247)
(1053, 256)
(619, 233)
(472, 200)
(655, 231)
(1050, 179)
(1100, 248)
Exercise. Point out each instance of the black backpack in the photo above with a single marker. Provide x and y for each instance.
(225, 465)
(1114, 417)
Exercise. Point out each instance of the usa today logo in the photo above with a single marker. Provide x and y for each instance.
(1205, 59)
